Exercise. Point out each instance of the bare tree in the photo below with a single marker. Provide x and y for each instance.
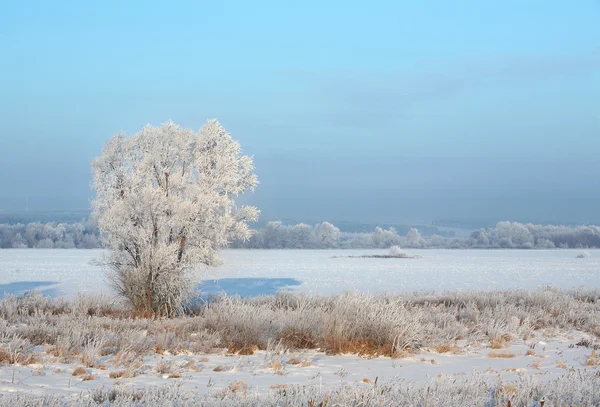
(165, 204)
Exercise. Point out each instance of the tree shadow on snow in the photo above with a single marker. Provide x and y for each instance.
(245, 287)
(21, 287)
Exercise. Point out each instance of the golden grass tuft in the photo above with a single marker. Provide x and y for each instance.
(448, 348)
(277, 366)
(500, 355)
(338, 345)
(294, 361)
(164, 367)
(498, 343)
(593, 359)
(31, 359)
(299, 362)
(6, 357)
(79, 371)
(88, 377)
(117, 374)
(244, 350)
(509, 389)
(236, 387)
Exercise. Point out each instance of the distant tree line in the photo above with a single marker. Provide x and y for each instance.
(507, 235)
(51, 235)
(529, 236)
(276, 235)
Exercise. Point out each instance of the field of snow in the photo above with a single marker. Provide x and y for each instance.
(265, 372)
(257, 272)
(549, 354)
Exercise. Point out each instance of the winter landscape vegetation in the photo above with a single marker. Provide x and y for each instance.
(405, 212)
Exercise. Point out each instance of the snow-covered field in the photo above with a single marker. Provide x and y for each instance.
(256, 272)
(264, 372)
(549, 354)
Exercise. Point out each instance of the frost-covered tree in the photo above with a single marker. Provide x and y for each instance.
(326, 235)
(513, 234)
(414, 239)
(275, 235)
(165, 204)
(381, 238)
(302, 236)
(437, 241)
(19, 242)
(479, 238)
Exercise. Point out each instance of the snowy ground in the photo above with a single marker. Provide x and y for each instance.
(265, 371)
(258, 272)
(262, 272)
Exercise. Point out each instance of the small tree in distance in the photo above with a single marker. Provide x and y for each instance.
(165, 204)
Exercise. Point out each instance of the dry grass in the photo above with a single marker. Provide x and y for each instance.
(509, 389)
(593, 359)
(531, 352)
(116, 374)
(88, 377)
(293, 361)
(238, 387)
(6, 357)
(277, 366)
(367, 325)
(498, 343)
(192, 365)
(239, 349)
(500, 355)
(299, 362)
(221, 368)
(164, 367)
(448, 348)
(79, 371)
(561, 364)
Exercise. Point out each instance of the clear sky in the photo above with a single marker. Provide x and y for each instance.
(371, 110)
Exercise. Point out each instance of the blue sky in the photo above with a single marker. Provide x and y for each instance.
(377, 110)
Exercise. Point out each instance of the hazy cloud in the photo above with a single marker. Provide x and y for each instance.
(363, 100)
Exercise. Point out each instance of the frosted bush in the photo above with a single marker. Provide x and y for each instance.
(396, 251)
(583, 255)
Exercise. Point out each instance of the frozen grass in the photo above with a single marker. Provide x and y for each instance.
(572, 389)
(91, 330)
(92, 334)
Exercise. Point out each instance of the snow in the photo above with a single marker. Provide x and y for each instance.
(262, 272)
(555, 358)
